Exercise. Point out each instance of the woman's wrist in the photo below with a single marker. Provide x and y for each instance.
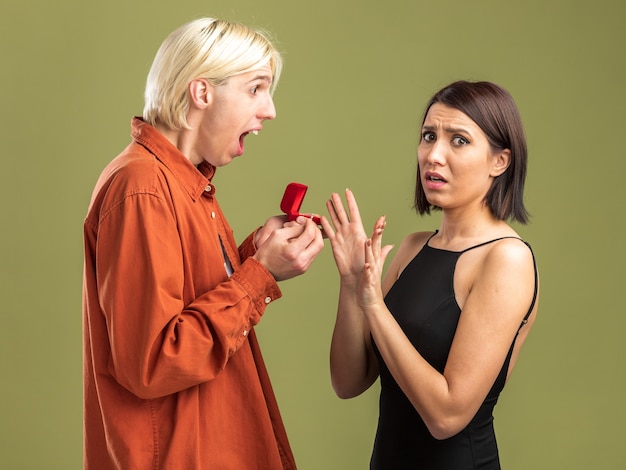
(349, 281)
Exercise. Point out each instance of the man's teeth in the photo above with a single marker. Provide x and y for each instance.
(255, 132)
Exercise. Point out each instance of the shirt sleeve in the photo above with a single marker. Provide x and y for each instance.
(247, 247)
(161, 342)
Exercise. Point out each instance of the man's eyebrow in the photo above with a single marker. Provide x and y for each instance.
(264, 77)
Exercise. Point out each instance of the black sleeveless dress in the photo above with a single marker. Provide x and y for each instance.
(423, 303)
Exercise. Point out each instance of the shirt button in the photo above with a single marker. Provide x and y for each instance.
(212, 214)
(268, 300)
(245, 332)
(208, 188)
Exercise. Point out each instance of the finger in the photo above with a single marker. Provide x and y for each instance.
(376, 243)
(328, 231)
(377, 234)
(369, 252)
(381, 222)
(316, 234)
(300, 220)
(353, 207)
(384, 252)
(290, 223)
(291, 230)
(306, 236)
(332, 212)
(316, 245)
(340, 212)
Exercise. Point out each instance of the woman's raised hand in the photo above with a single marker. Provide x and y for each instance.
(346, 235)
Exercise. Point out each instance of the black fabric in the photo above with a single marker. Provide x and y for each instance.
(422, 301)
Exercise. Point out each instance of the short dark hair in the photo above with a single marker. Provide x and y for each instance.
(492, 108)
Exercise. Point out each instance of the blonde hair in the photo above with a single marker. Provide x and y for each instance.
(204, 48)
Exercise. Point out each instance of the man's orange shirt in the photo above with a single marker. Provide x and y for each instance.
(173, 375)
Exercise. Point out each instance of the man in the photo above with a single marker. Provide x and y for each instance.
(173, 374)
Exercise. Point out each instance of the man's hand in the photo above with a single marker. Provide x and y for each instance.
(288, 249)
(271, 224)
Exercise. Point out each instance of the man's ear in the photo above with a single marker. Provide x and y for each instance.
(200, 93)
(501, 162)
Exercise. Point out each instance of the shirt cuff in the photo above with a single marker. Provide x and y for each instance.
(258, 282)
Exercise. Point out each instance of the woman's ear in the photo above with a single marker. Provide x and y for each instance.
(501, 162)
(200, 93)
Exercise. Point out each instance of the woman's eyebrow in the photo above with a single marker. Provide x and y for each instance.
(457, 130)
(451, 130)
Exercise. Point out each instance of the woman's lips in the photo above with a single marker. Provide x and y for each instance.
(434, 180)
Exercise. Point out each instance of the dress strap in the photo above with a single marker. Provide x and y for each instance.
(532, 304)
(491, 241)
(534, 299)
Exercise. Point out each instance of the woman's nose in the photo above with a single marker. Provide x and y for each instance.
(436, 153)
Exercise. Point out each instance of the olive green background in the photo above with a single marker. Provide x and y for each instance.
(357, 76)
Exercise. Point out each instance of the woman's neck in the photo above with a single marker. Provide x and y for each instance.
(460, 228)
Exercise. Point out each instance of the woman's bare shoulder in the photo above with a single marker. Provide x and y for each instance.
(509, 253)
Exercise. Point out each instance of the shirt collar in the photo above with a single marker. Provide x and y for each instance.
(196, 180)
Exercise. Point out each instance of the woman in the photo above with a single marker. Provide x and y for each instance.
(444, 328)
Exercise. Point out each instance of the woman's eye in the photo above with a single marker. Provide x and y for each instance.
(254, 89)
(459, 140)
(428, 136)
